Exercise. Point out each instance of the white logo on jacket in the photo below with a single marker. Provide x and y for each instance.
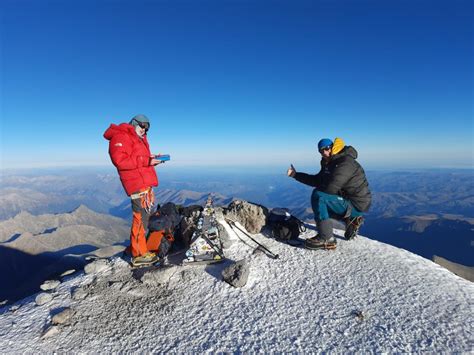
(118, 144)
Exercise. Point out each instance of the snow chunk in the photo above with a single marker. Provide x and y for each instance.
(50, 332)
(63, 317)
(96, 266)
(68, 272)
(43, 298)
(50, 285)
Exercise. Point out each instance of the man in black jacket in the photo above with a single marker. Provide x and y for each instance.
(341, 192)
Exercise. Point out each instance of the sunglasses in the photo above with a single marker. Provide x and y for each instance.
(323, 149)
(143, 125)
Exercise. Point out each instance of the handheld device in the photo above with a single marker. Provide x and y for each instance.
(163, 157)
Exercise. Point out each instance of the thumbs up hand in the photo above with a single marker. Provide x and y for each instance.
(291, 171)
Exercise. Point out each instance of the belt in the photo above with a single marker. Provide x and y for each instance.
(139, 194)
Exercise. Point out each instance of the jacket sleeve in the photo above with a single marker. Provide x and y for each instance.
(340, 176)
(121, 153)
(307, 179)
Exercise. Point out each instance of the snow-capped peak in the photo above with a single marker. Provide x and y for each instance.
(364, 296)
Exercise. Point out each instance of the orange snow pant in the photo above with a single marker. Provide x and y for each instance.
(142, 203)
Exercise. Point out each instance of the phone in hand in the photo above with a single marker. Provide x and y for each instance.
(163, 157)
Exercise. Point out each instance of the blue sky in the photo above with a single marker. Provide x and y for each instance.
(239, 83)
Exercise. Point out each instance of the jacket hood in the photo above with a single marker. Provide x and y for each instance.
(121, 128)
(347, 150)
(338, 145)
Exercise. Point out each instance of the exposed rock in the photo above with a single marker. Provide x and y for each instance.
(50, 332)
(43, 298)
(360, 315)
(63, 317)
(237, 274)
(50, 285)
(96, 266)
(251, 216)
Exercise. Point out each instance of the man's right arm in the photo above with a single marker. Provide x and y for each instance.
(307, 179)
(120, 150)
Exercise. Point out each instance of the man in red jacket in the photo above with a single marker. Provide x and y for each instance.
(130, 153)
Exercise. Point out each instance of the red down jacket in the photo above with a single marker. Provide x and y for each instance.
(131, 156)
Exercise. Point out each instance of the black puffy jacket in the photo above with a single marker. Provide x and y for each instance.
(342, 175)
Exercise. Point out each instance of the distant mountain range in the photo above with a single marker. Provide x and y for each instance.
(434, 207)
(182, 197)
(58, 192)
(33, 248)
(448, 236)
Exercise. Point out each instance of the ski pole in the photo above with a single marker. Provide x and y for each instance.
(232, 225)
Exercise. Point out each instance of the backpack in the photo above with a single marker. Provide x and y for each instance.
(165, 218)
(161, 227)
(283, 225)
(190, 211)
(187, 226)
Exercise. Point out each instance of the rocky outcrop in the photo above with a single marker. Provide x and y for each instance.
(252, 216)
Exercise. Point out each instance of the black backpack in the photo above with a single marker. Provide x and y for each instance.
(283, 225)
(165, 218)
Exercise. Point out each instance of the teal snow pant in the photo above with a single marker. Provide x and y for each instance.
(326, 206)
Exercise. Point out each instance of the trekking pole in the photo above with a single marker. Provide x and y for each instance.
(232, 224)
(216, 248)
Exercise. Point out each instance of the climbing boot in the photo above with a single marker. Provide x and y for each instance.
(352, 227)
(319, 242)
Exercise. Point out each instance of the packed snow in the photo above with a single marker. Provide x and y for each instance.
(364, 296)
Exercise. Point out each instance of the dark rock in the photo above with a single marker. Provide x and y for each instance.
(237, 274)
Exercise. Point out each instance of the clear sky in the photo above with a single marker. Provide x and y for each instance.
(239, 83)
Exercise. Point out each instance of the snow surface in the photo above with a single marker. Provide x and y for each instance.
(364, 296)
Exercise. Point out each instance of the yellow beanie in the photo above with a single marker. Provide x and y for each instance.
(338, 145)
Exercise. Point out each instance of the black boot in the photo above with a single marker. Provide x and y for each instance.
(352, 227)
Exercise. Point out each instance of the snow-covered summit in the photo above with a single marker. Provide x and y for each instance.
(364, 296)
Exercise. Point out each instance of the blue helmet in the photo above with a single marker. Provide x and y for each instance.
(325, 142)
